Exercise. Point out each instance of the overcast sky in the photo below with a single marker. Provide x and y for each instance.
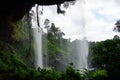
(94, 18)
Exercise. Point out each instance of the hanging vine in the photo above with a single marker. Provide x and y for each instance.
(37, 13)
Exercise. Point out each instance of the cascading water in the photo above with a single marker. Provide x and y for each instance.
(78, 49)
(78, 53)
(37, 38)
(82, 47)
(38, 47)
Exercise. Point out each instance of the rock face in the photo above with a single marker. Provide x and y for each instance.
(10, 14)
(13, 10)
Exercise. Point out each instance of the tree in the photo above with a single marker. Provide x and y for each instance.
(117, 26)
(106, 55)
(116, 37)
(60, 34)
(54, 30)
(53, 42)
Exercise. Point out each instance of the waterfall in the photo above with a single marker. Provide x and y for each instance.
(82, 47)
(78, 53)
(78, 49)
(37, 31)
(38, 47)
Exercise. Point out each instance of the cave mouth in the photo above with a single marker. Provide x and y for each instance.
(13, 12)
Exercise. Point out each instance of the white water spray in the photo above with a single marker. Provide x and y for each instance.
(82, 47)
(38, 47)
(79, 53)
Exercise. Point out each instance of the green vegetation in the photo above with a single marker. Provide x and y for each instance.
(53, 39)
(17, 56)
(106, 55)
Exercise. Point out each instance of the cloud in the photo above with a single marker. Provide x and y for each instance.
(98, 16)
(102, 19)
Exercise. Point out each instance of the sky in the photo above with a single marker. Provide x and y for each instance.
(94, 19)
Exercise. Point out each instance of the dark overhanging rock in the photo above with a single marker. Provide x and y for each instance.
(12, 11)
(18, 8)
(51, 2)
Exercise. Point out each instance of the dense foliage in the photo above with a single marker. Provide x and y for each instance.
(17, 57)
(52, 46)
(106, 55)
